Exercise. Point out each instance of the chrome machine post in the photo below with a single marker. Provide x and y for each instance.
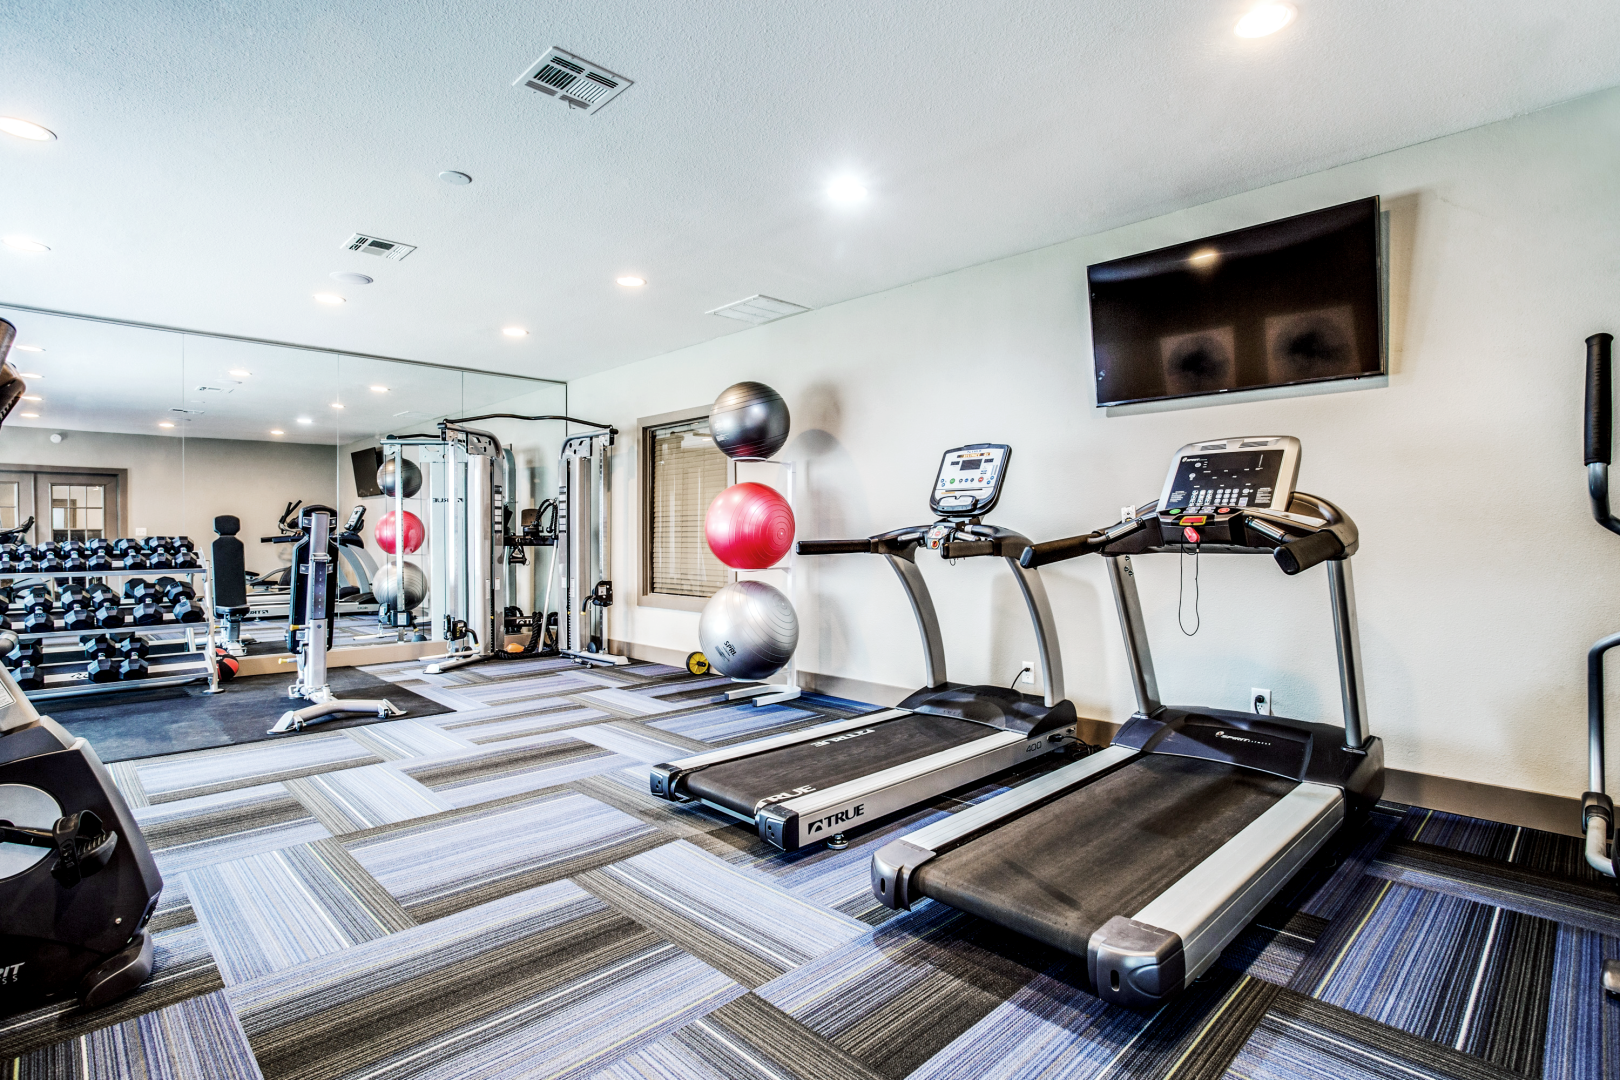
(1347, 640)
(1134, 627)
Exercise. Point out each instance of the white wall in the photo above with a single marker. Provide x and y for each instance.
(178, 487)
(1481, 580)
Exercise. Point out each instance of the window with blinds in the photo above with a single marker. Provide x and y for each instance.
(686, 473)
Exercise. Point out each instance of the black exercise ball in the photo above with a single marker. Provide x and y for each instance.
(408, 469)
(749, 420)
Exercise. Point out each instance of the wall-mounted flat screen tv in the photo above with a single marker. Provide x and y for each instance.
(365, 464)
(1281, 304)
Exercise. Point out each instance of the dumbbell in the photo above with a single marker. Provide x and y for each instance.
(75, 562)
(49, 561)
(101, 659)
(132, 657)
(98, 562)
(160, 559)
(98, 543)
(186, 559)
(145, 610)
(78, 613)
(105, 603)
(181, 543)
(185, 607)
(37, 606)
(15, 652)
(134, 559)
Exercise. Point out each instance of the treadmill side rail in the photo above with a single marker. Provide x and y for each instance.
(792, 823)
(665, 779)
(1204, 910)
(894, 863)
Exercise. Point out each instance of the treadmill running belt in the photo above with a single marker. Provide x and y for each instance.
(740, 786)
(1061, 871)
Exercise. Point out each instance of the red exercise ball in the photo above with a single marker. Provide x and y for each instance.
(749, 526)
(385, 531)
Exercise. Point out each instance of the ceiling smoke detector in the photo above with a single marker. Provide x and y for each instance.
(573, 80)
(371, 245)
(758, 309)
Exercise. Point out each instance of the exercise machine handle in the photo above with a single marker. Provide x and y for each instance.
(1600, 426)
(1307, 551)
(835, 547)
(1058, 550)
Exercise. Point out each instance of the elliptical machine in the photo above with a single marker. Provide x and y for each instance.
(77, 881)
(314, 559)
(1597, 809)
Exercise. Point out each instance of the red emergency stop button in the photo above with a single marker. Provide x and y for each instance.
(1191, 534)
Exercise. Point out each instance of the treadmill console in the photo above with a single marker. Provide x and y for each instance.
(969, 480)
(1208, 481)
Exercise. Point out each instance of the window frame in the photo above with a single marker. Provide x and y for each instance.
(116, 518)
(644, 449)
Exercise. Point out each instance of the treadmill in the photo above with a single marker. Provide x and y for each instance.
(1149, 856)
(819, 782)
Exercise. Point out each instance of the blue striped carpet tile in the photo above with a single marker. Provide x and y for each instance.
(638, 742)
(1324, 895)
(510, 768)
(626, 789)
(1475, 978)
(230, 824)
(355, 799)
(545, 982)
(1303, 1039)
(196, 1039)
(503, 726)
(1275, 945)
(203, 772)
(396, 740)
(1583, 1025)
(182, 967)
(532, 689)
(735, 722)
(744, 1039)
(737, 922)
(1528, 849)
(903, 991)
(628, 703)
(440, 865)
(273, 911)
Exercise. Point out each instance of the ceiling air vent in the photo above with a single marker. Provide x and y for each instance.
(758, 309)
(371, 245)
(573, 80)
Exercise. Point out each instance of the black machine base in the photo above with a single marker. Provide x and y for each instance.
(998, 706)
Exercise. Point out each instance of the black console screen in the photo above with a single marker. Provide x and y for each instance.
(1235, 478)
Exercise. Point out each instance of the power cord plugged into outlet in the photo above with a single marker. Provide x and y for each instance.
(1260, 701)
(1026, 674)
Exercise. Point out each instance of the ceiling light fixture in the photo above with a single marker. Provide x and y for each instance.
(28, 348)
(239, 373)
(277, 431)
(460, 179)
(349, 277)
(330, 298)
(32, 397)
(1203, 258)
(337, 404)
(1265, 19)
(22, 243)
(165, 423)
(630, 281)
(26, 129)
(306, 420)
(30, 375)
(515, 331)
(846, 189)
(379, 389)
(29, 415)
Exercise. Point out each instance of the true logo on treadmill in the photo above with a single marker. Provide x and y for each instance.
(840, 818)
(845, 736)
(1229, 737)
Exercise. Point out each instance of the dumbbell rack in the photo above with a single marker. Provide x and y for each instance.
(195, 662)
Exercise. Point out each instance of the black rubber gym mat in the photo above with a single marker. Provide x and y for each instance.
(1061, 871)
(740, 786)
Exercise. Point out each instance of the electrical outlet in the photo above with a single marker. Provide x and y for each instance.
(1028, 674)
(1260, 701)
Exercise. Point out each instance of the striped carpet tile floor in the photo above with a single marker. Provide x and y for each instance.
(493, 892)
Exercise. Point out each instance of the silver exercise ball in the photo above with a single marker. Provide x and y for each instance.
(385, 586)
(408, 469)
(748, 630)
(749, 420)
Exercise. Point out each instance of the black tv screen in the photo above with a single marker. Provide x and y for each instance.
(1289, 302)
(366, 463)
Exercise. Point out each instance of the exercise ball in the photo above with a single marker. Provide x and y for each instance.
(749, 420)
(408, 469)
(386, 532)
(385, 587)
(748, 630)
(749, 526)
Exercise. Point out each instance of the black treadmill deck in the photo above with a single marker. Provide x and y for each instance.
(1064, 869)
(744, 785)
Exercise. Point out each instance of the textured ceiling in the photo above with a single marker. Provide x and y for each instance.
(214, 156)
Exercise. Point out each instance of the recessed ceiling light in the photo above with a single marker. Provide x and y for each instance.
(337, 404)
(277, 431)
(25, 129)
(515, 331)
(32, 397)
(460, 179)
(28, 348)
(30, 375)
(379, 389)
(1265, 19)
(29, 415)
(846, 189)
(165, 423)
(305, 420)
(22, 243)
(630, 281)
(330, 298)
(239, 373)
(349, 277)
